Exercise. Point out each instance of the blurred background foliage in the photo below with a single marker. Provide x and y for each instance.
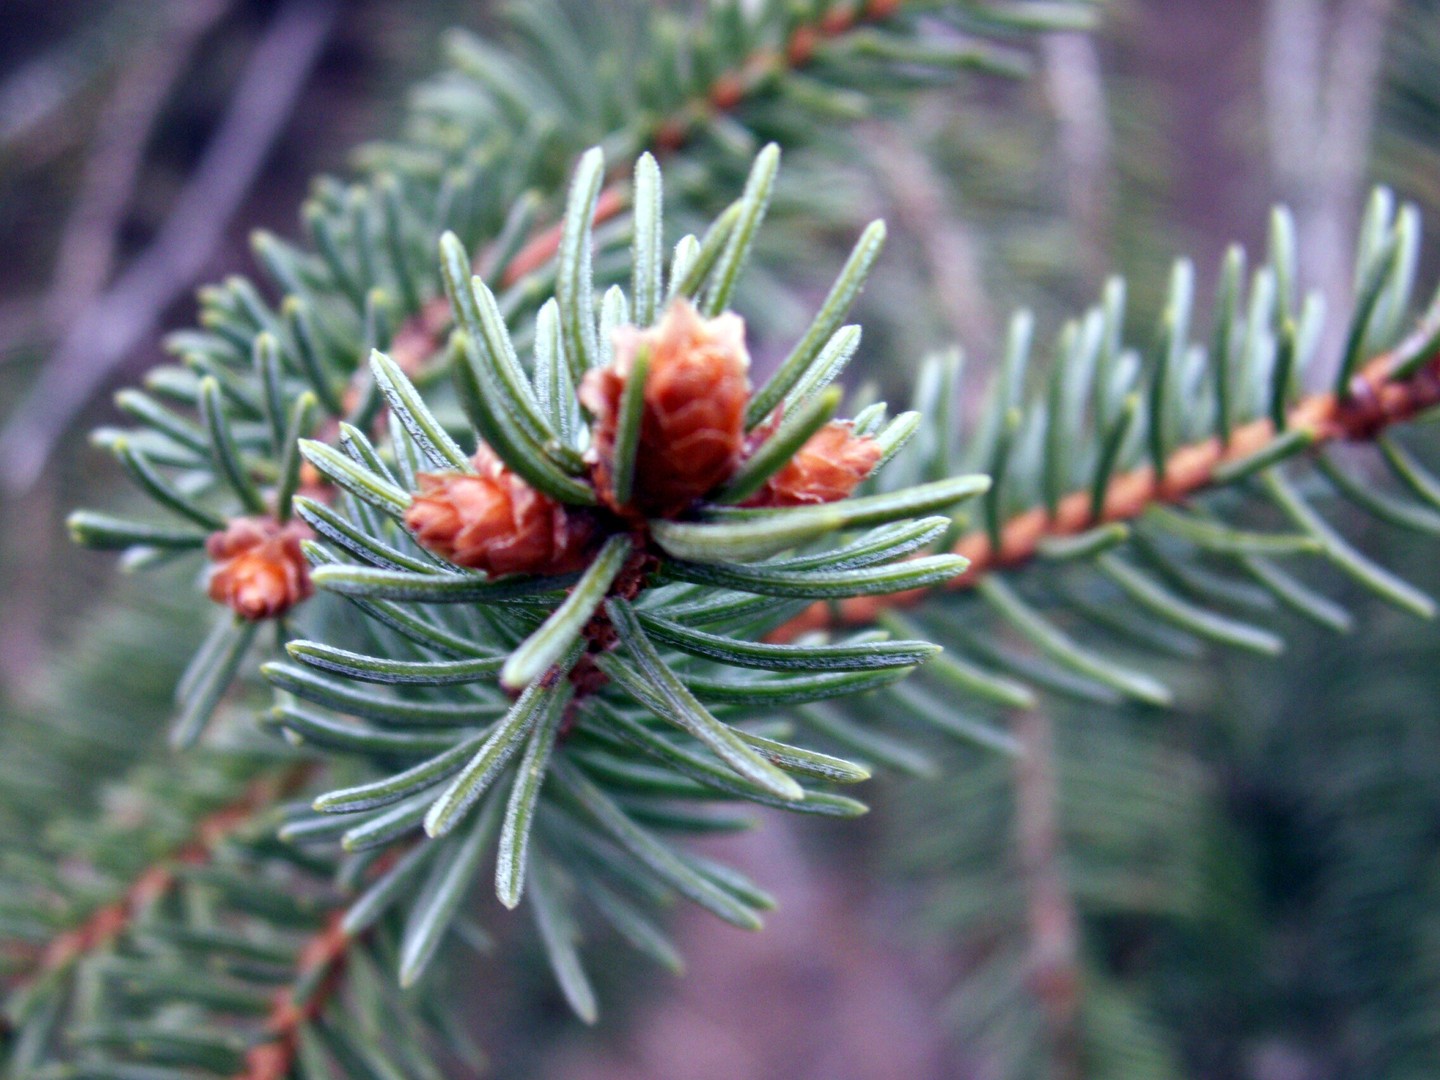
(1252, 879)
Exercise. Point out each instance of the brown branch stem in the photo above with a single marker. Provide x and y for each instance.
(319, 970)
(421, 335)
(322, 960)
(1053, 972)
(104, 925)
(1377, 401)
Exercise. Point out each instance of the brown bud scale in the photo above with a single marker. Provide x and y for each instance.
(693, 425)
(260, 571)
(827, 468)
(492, 520)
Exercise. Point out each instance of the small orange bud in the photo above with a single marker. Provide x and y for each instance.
(727, 92)
(260, 570)
(826, 469)
(496, 522)
(802, 46)
(669, 135)
(693, 425)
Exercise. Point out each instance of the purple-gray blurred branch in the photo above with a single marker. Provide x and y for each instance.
(920, 205)
(1076, 90)
(1053, 975)
(1322, 78)
(85, 257)
(106, 332)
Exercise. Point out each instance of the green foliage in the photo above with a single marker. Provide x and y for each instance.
(485, 142)
(1132, 811)
(548, 736)
(218, 958)
(581, 807)
(1102, 625)
(1248, 874)
(1123, 580)
(484, 154)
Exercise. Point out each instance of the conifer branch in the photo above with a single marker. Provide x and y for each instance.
(422, 335)
(731, 88)
(633, 691)
(637, 523)
(370, 282)
(562, 639)
(103, 926)
(236, 958)
(1390, 390)
(320, 966)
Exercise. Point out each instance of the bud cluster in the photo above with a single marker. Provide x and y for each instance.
(692, 440)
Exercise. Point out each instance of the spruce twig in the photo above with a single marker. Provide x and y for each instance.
(105, 924)
(423, 334)
(1378, 402)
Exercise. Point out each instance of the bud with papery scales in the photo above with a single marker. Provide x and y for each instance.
(827, 468)
(492, 520)
(261, 571)
(692, 430)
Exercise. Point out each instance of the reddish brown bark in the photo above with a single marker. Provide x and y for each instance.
(1376, 402)
(323, 953)
(420, 336)
(104, 925)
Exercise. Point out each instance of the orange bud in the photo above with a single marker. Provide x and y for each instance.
(727, 92)
(802, 45)
(268, 1061)
(826, 469)
(496, 522)
(260, 570)
(693, 425)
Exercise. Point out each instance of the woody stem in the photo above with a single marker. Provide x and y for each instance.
(104, 925)
(1377, 402)
(420, 336)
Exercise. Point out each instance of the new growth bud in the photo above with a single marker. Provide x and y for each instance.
(494, 521)
(827, 468)
(693, 425)
(260, 571)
